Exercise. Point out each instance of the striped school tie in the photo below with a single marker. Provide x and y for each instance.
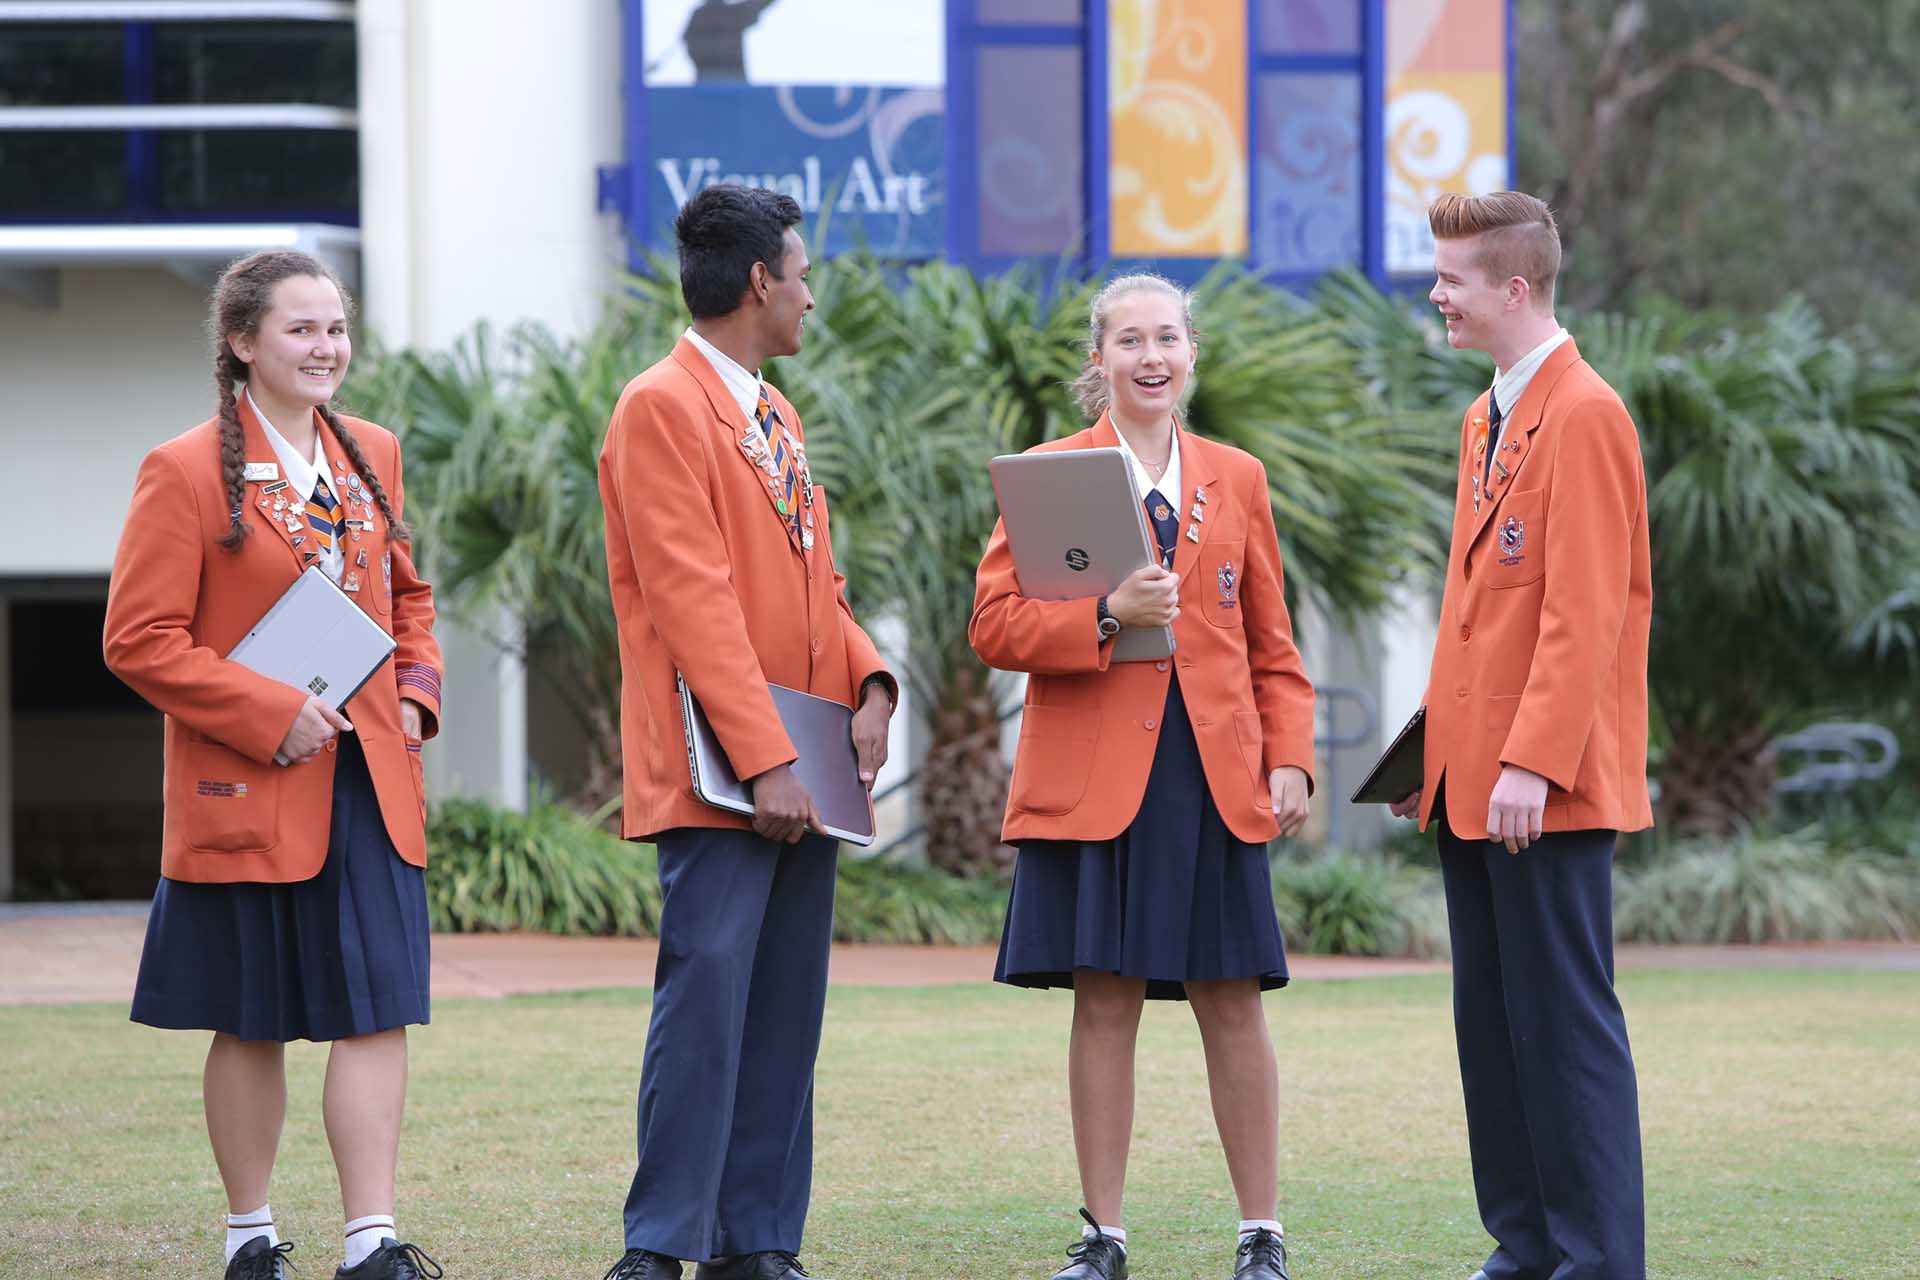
(783, 460)
(1166, 526)
(323, 516)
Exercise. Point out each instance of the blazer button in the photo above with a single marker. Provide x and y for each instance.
(816, 644)
(1466, 634)
(1159, 666)
(1147, 725)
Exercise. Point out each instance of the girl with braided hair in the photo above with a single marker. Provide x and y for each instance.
(292, 900)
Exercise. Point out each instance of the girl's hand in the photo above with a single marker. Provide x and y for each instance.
(412, 719)
(312, 730)
(1150, 597)
(1288, 785)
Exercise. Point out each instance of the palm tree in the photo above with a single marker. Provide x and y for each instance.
(1783, 512)
(1784, 494)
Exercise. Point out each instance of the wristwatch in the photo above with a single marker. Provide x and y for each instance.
(1108, 624)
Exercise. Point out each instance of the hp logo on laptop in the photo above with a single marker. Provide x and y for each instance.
(1077, 559)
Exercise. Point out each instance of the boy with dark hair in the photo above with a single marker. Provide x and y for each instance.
(722, 574)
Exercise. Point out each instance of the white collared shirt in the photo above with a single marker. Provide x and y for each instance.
(1143, 481)
(1510, 384)
(300, 474)
(744, 385)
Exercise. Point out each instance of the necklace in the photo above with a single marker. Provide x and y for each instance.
(1156, 470)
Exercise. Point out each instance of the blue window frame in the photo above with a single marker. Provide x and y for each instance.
(193, 149)
(1027, 149)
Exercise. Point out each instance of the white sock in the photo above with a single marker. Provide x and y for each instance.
(242, 1227)
(1250, 1225)
(364, 1235)
(1117, 1234)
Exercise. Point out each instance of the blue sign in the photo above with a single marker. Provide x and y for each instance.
(867, 162)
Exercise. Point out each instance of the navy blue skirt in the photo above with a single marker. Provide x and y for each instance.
(343, 954)
(1175, 898)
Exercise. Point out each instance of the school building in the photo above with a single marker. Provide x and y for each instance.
(461, 161)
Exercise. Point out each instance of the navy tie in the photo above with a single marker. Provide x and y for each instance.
(1493, 438)
(1166, 525)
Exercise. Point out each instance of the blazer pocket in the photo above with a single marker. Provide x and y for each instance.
(1222, 566)
(417, 768)
(1518, 554)
(1246, 728)
(227, 803)
(1055, 758)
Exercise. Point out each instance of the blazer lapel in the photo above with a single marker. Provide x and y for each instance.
(1516, 436)
(1196, 474)
(744, 440)
(358, 518)
(290, 522)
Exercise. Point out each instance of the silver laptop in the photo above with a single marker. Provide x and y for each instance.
(1077, 529)
(316, 639)
(821, 731)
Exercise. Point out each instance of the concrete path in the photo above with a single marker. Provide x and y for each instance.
(61, 954)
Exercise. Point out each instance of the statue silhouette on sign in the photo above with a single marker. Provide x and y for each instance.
(716, 37)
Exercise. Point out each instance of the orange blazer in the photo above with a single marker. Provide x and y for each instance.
(1542, 655)
(178, 601)
(709, 580)
(1090, 725)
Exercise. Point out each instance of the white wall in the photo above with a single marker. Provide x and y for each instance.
(482, 126)
(90, 385)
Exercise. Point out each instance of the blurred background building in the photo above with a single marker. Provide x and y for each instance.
(466, 161)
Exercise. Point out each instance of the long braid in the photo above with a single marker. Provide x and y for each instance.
(395, 525)
(232, 454)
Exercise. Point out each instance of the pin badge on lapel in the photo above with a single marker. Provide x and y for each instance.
(1198, 514)
(1229, 587)
(1193, 533)
(262, 471)
(386, 570)
(351, 582)
(1200, 494)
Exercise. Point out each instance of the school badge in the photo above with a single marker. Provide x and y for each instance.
(1513, 537)
(1229, 587)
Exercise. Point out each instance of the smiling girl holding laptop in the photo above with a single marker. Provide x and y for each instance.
(1144, 793)
(292, 903)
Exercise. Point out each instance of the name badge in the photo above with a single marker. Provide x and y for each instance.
(263, 471)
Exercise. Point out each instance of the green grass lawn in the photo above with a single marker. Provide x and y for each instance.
(1780, 1110)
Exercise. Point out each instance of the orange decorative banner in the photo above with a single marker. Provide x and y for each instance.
(1446, 123)
(1177, 110)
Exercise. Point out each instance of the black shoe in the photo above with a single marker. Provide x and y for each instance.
(393, 1261)
(1097, 1257)
(754, 1266)
(1261, 1256)
(258, 1260)
(639, 1264)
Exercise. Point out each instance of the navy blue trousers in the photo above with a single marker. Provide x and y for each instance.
(1553, 1114)
(726, 1087)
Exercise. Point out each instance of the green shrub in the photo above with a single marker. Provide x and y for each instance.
(880, 901)
(547, 869)
(1767, 888)
(1352, 905)
(551, 871)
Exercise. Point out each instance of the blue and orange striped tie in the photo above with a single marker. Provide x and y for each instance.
(783, 460)
(323, 516)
